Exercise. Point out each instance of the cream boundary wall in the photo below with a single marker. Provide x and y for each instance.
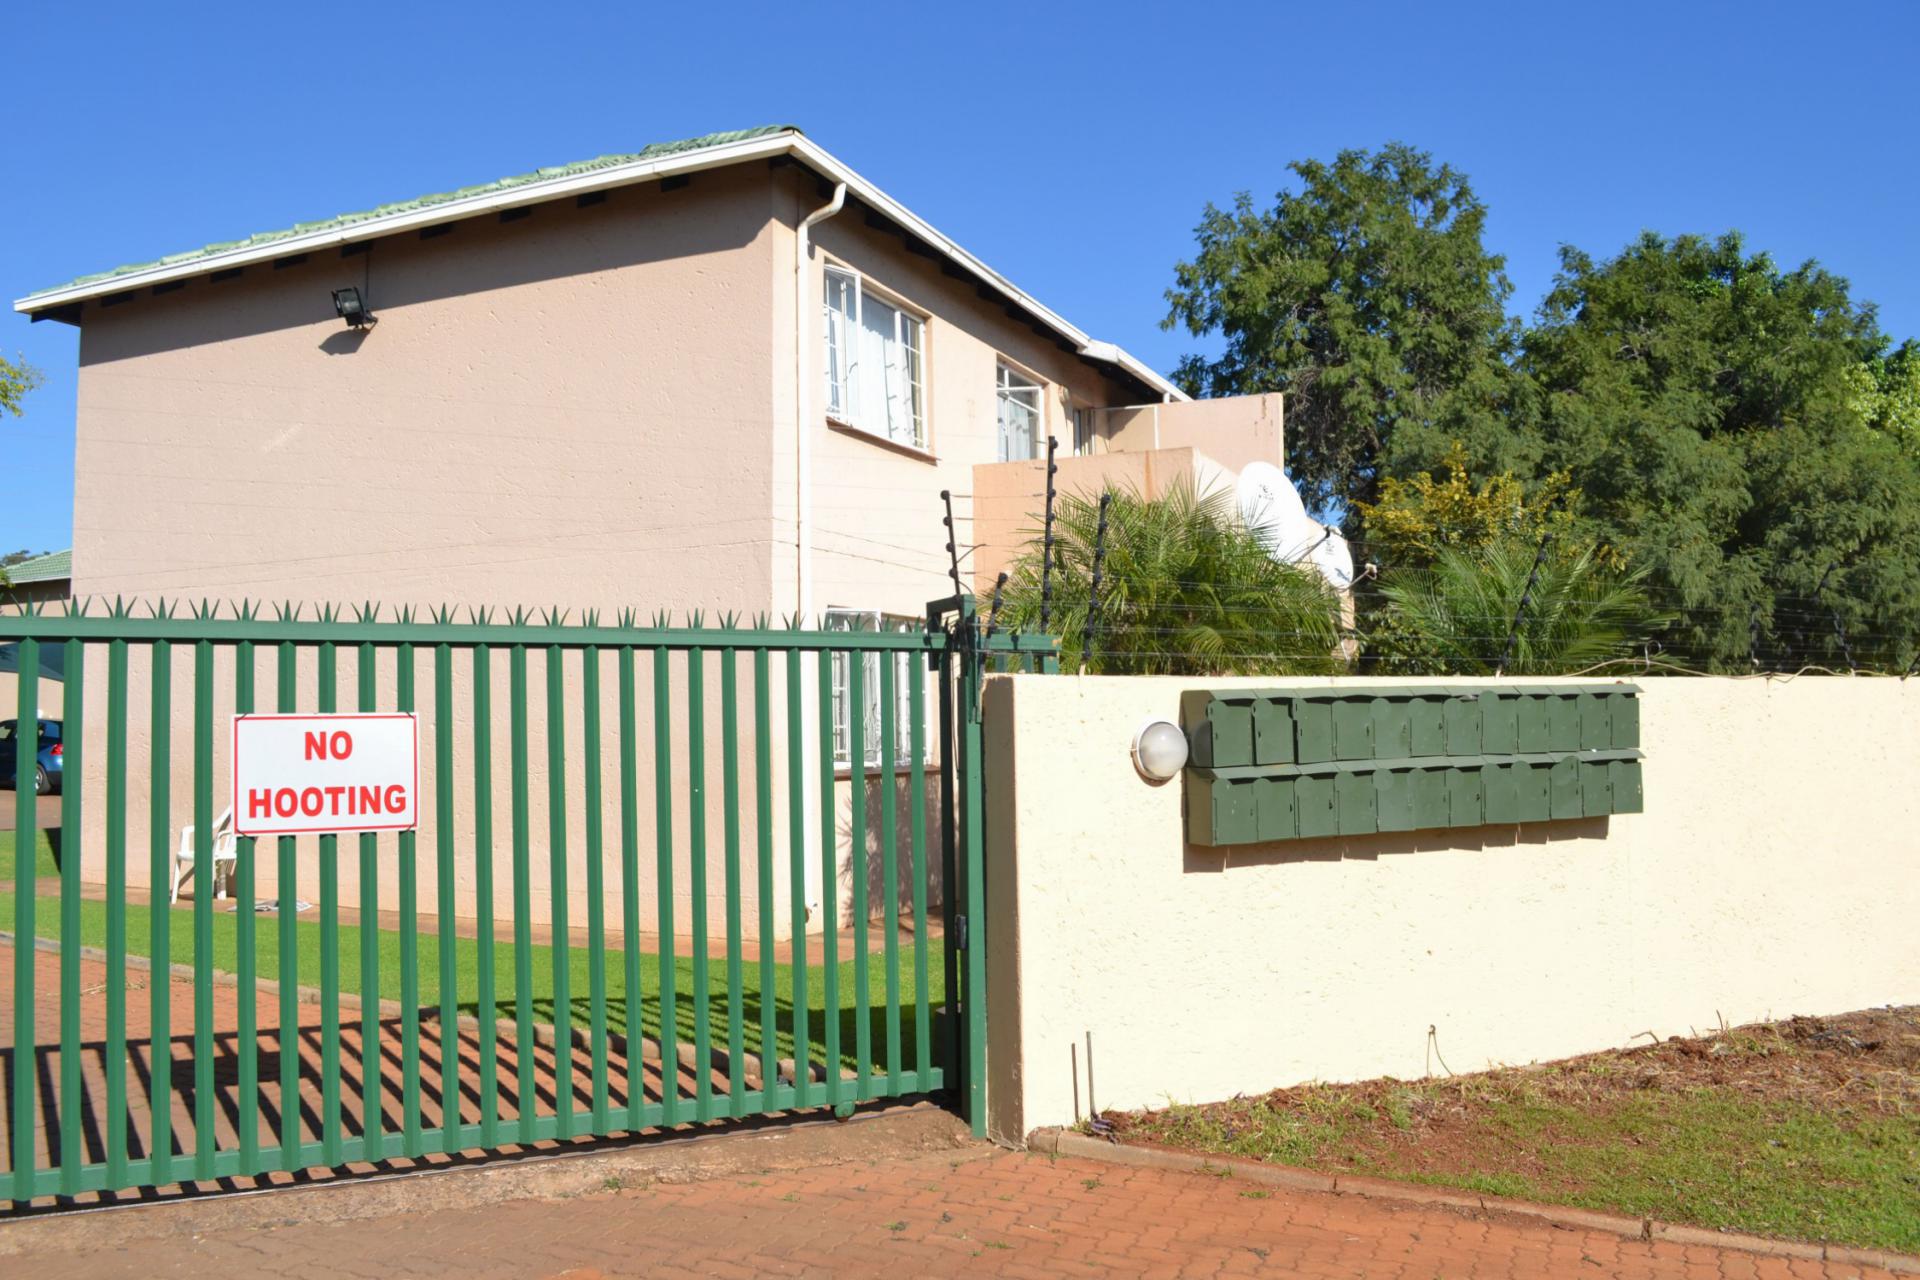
(1773, 873)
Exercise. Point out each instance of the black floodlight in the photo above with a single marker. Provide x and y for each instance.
(348, 304)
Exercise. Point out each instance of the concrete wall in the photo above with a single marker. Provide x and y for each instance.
(1233, 430)
(1009, 498)
(1772, 873)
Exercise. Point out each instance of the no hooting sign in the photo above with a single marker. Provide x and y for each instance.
(300, 775)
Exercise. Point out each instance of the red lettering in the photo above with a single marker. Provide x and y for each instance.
(310, 802)
(333, 797)
(342, 744)
(285, 802)
(260, 803)
(396, 799)
(369, 798)
(316, 746)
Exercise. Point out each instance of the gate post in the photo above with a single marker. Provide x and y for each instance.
(972, 817)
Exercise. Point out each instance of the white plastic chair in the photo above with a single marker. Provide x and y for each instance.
(225, 849)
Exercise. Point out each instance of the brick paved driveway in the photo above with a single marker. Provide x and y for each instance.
(971, 1211)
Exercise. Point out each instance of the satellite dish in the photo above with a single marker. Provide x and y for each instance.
(1271, 507)
(1334, 560)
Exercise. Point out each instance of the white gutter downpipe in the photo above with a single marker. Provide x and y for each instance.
(803, 389)
(803, 398)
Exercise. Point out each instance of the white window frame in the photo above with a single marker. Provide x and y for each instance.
(842, 365)
(1010, 384)
(875, 620)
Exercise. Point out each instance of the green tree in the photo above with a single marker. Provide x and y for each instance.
(17, 377)
(1185, 589)
(1709, 404)
(1418, 517)
(1885, 393)
(1368, 297)
(1454, 617)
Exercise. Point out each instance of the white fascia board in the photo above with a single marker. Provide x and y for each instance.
(777, 144)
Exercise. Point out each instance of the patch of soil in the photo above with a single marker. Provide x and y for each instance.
(1864, 1063)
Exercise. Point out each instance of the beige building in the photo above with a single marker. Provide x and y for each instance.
(726, 374)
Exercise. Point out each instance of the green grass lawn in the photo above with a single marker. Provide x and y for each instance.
(1757, 1130)
(466, 954)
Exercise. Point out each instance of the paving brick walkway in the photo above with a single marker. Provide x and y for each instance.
(970, 1212)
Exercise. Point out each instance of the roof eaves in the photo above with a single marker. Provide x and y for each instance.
(686, 156)
(661, 159)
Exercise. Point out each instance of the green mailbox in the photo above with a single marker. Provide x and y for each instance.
(1463, 723)
(1567, 799)
(1626, 785)
(1393, 795)
(1465, 805)
(1283, 764)
(1596, 785)
(1221, 810)
(1535, 777)
(1427, 725)
(1563, 719)
(1272, 729)
(1273, 805)
(1353, 729)
(1500, 780)
(1313, 728)
(1533, 725)
(1626, 718)
(1596, 719)
(1313, 796)
(1353, 799)
(1499, 723)
(1219, 729)
(1392, 725)
(1430, 797)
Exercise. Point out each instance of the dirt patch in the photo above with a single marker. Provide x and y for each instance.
(1808, 1127)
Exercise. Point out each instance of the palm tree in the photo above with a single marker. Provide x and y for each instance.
(1185, 589)
(1454, 617)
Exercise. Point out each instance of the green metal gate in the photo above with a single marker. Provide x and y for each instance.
(319, 1042)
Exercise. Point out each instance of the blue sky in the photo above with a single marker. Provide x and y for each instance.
(1071, 146)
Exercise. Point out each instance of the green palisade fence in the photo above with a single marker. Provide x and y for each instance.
(1290, 764)
(366, 1029)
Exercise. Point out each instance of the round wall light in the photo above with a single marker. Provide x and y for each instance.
(1159, 750)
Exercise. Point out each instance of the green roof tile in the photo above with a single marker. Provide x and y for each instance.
(653, 151)
(50, 567)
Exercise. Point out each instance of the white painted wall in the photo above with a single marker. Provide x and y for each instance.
(1775, 871)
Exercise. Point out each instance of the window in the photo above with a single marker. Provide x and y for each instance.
(874, 362)
(1017, 400)
(902, 753)
(1084, 431)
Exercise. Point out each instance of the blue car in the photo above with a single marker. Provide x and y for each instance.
(48, 755)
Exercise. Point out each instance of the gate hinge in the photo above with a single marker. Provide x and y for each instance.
(960, 932)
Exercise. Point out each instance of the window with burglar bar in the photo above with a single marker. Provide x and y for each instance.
(874, 362)
(902, 750)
